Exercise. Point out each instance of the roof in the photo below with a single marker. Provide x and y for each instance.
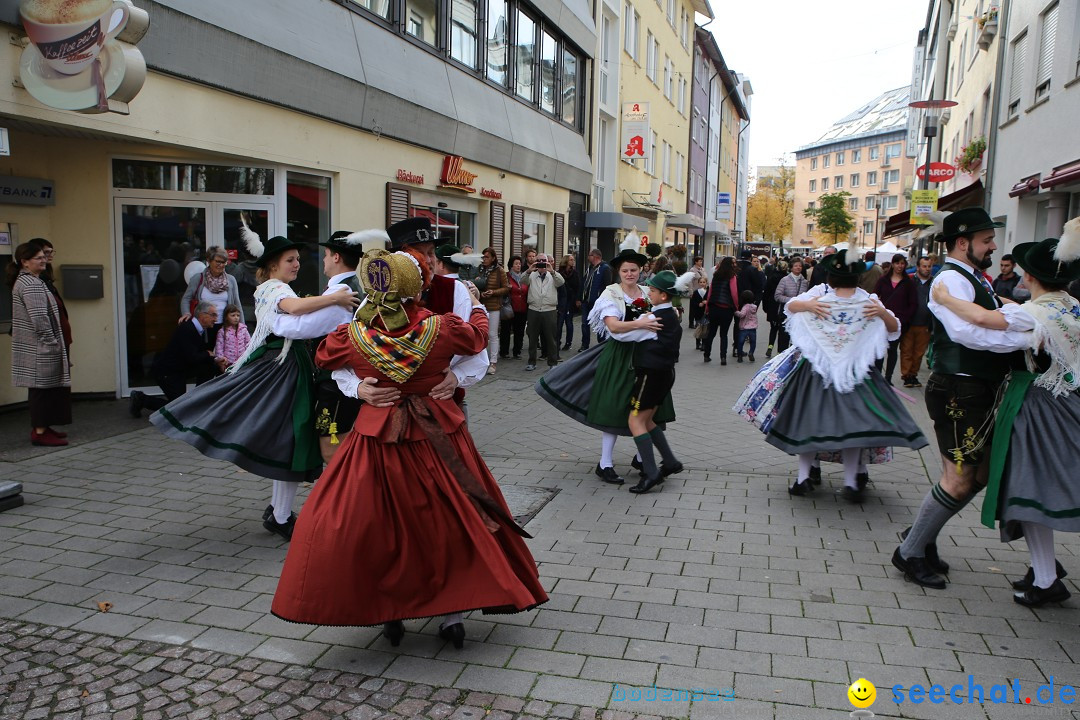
(727, 77)
(886, 113)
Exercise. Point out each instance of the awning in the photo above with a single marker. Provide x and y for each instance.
(1025, 186)
(615, 221)
(685, 220)
(964, 197)
(1063, 174)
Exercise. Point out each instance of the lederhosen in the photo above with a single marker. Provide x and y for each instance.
(335, 412)
(654, 363)
(962, 392)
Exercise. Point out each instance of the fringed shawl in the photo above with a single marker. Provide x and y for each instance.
(611, 298)
(843, 347)
(267, 297)
(1057, 332)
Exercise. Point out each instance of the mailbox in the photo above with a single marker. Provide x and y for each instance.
(83, 282)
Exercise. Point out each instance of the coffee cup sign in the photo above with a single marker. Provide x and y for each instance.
(70, 34)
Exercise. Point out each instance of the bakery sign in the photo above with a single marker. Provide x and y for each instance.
(456, 176)
(81, 54)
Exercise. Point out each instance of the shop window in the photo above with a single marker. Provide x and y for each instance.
(307, 218)
(379, 7)
(548, 52)
(535, 227)
(464, 25)
(422, 20)
(498, 31)
(525, 57)
(449, 226)
(570, 87)
(149, 175)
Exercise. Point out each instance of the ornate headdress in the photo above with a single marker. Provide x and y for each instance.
(389, 279)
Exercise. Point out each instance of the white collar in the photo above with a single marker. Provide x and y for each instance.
(661, 306)
(340, 278)
(961, 264)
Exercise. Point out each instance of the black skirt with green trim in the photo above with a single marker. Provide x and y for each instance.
(813, 418)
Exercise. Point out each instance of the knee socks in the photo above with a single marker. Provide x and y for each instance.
(645, 452)
(659, 440)
(281, 498)
(806, 461)
(851, 457)
(1040, 542)
(451, 619)
(607, 447)
(936, 509)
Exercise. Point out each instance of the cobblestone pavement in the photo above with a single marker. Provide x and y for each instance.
(720, 580)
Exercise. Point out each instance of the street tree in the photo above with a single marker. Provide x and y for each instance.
(831, 215)
(769, 210)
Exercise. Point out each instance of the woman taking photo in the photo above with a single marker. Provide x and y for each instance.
(721, 302)
(258, 415)
(519, 293)
(212, 285)
(491, 282)
(39, 360)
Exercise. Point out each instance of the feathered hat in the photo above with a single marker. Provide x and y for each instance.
(252, 242)
(837, 264)
(628, 251)
(353, 242)
(1055, 261)
(684, 284)
(266, 253)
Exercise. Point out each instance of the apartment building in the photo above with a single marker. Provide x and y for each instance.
(742, 184)
(298, 118)
(862, 154)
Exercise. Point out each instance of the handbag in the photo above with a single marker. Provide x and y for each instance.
(506, 312)
(701, 329)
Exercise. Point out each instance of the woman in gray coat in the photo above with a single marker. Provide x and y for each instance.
(39, 360)
(791, 285)
(212, 285)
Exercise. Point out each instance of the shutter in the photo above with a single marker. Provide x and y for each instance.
(560, 236)
(1016, 78)
(517, 231)
(398, 200)
(498, 229)
(1046, 50)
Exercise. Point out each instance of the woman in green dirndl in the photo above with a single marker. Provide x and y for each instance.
(595, 387)
(259, 414)
(1032, 488)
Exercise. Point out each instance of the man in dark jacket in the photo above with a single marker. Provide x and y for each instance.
(189, 352)
(748, 278)
(821, 271)
(596, 277)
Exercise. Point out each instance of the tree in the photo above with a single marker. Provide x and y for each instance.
(769, 210)
(831, 215)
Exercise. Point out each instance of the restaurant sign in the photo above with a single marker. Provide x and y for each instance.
(455, 176)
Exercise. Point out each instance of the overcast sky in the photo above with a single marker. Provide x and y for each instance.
(811, 64)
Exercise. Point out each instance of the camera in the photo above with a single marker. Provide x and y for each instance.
(541, 263)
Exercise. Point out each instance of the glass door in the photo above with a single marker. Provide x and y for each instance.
(231, 218)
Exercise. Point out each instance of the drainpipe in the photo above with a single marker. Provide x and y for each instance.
(995, 114)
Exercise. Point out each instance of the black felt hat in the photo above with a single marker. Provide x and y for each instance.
(1037, 258)
(412, 231)
(837, 264)
(967, 221)
(274, 247)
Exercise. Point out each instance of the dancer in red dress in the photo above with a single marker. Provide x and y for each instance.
(406, 521)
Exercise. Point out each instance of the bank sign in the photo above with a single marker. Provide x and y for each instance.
(26, 191)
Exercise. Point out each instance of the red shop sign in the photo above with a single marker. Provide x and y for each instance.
(455, 176)
(939, 172)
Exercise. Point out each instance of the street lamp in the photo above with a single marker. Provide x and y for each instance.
(931, 115)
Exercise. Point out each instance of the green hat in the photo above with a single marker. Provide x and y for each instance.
(837, 264)
(664, 281)
(446, 252)
(967, 221)
(1037, 259)
(353, 242)
(274, 247)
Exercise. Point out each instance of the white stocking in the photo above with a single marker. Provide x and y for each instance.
(851, 465)
(1040, 541)
(607, 448)
(451, 619)
(806, 461)
(282, 498)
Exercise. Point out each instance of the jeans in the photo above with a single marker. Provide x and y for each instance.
(516, 325)
(744, 335)
(566, 318)
(719, 320)
(889, 361)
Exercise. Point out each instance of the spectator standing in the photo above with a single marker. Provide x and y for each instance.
(39, 360)
(701, 279)
(790, 286)
(750, 277)
(916, 337)
(597, 277)
(494, 287)
(543, 298)
(897, 293)
(873, 272)
(774, 313)
(721, 302)
(821, 272)
(233, 337)
(569, 300)
(1005, 283)
(467, 271)
(50, 282)
(212, 285)
(746, 316)
(519, 304)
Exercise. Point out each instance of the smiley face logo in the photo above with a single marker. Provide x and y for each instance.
(862, 693)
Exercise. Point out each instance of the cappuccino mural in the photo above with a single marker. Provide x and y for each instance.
(81, 54)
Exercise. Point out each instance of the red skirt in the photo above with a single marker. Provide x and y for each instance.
(389, 534)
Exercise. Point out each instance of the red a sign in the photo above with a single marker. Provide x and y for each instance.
(939, 172)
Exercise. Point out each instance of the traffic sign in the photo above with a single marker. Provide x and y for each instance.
(939, 172)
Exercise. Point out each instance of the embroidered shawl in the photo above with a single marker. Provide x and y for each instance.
(398, 358)
(842, 347)
(1057, 331)
(612, 297)
(267, 297)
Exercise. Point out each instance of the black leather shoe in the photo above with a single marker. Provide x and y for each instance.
(393, 631)
(917, 571)
(608, 475)
(933, 560)
(636, 464)
(708, 359)
(135, 404)
(454, 633)
(862, 480)
(1037, 597)
(284, 529)
(750, 357)
(646, 484)
(852, 495)
(1029, 577)
(815, 475)
(801, 487)
(270, 511)
(673, 470)
(723, 360)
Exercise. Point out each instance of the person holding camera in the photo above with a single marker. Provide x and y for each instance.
(543, 301)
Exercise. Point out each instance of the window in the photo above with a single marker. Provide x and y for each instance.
(810, 228)
(839, 158)
(630, 31)
(813, 186)
(813, 163)
(669, 80)
(854, 180)
(601, 151)
(1046, 52)
(498, 28)
(874, 153)
(890, 176)
(682, 96)
(856, 156)
(892, 151)
(666, 169)
(379, 7)
(824, 184)
(679, 175)
(891, 202)
(464, 26)
(570, 66)
(693, 186)
(838, 182)
(871, 178)
(684, 28)
(1016, 75)
(825, 160)
(650, 57)
(868, 226)
(810, 205)
(671, 13)
(986, 113)
(962, 62)
(853, 203)
(422, 20)
(548, 51)
(694, 134)
(871, 202)
(525, 57)
(651, 164)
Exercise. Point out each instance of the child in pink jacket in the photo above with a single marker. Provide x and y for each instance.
(233, 337)
(746, 316)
